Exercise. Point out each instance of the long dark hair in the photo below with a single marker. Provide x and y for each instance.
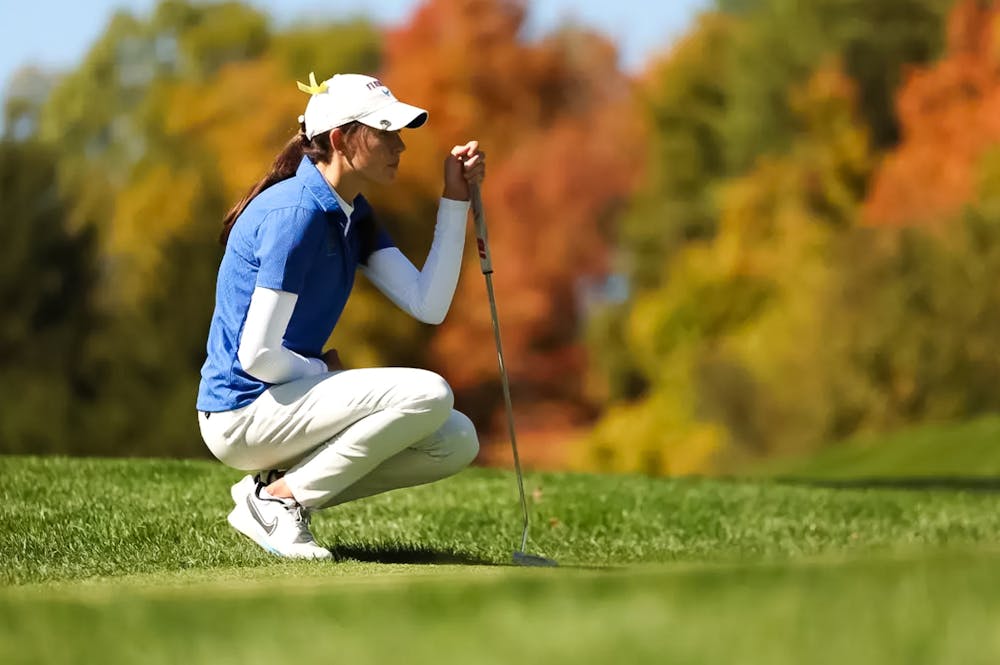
(318, 149)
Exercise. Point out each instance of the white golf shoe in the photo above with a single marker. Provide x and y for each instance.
(280, 526)
(240, 490)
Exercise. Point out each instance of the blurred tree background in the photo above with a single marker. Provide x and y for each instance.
(784, 231)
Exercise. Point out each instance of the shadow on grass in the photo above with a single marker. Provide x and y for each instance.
(425, 556)
(406, 554)
(985, 484)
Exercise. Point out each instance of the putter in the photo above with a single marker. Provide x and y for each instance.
(521, 557)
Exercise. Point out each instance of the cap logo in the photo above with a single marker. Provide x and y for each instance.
(385, 124)
(375, 83)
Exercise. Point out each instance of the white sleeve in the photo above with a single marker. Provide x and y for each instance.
(261, 352)
(426, 294)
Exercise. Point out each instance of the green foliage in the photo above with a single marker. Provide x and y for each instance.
(171, 117)
(148, 136)
(721, 99)
(762, 317)
(614, 372)
(684, 104)
(204, 38)
(784, 41)
(723, 342)
(794, 326)
(926, 322)
(100, 114)
(765, 318)
(24, 98)
(347, 47)
(47, 278)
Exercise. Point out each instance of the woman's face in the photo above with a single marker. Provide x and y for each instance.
(376, 154)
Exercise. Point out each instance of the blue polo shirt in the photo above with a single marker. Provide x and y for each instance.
(292, 237)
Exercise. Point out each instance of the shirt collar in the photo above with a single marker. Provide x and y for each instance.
(317, 185)
(324, 193)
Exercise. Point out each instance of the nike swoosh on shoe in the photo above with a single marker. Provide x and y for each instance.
(268, 527)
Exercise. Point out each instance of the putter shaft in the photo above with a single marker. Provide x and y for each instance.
(486, 264)
(510, 409)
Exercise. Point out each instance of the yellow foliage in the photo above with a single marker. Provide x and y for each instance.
(732, 343)
(655, 438)
(240, 120)
(149, 212)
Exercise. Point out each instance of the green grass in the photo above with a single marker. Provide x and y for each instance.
(922, 610)
(969, 450)
(124, 561)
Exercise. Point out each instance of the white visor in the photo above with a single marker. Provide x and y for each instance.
(356, 98)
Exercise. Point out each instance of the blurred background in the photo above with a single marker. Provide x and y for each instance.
(724, 232)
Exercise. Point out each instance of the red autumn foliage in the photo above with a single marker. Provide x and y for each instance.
(555, 119)
(950, 116)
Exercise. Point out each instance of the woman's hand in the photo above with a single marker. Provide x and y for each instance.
(466, 164)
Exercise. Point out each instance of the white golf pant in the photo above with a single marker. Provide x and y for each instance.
(349, 434)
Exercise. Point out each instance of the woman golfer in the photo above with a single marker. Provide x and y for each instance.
(270, 398)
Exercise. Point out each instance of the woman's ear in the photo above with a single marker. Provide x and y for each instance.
(338, 140)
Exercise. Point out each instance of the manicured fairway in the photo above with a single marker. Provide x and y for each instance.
(124, 561)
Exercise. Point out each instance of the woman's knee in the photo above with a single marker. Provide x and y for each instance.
(461, 440)
(431, 393)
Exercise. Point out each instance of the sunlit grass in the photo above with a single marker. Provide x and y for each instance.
(132, 561)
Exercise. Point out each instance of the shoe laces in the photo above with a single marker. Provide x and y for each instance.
(302, 519)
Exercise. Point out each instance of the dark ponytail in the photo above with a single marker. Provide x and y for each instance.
(318, 149)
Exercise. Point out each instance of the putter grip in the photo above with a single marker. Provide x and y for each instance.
(485, 262)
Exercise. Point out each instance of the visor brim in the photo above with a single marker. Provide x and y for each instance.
(395, 116)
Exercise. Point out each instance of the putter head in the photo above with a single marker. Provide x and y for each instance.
(525, 559)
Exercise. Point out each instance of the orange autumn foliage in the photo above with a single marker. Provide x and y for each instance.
(950, 116)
